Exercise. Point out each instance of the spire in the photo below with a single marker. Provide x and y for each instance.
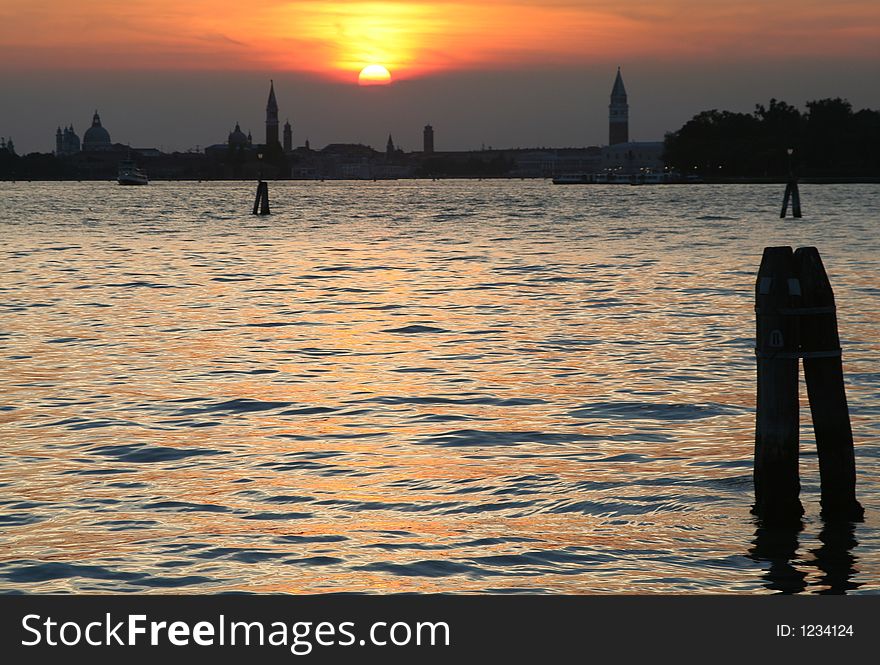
(288, 137)
(96, 119)
(618, 90)
(272, 104)
(390, 144)
(272, 119)
(618, 113)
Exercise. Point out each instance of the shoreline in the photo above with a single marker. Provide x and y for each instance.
(819, 180)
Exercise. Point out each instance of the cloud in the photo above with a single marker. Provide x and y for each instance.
(337, 38)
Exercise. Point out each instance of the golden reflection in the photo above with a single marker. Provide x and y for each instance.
(282, 431)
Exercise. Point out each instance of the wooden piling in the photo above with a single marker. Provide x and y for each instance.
(777, 483)
(785, 198)
(261, 201)
(823, 371)
(795, 199)
(793, 194)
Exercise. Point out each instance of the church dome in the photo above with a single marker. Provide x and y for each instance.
(238, 137)
(96, 136)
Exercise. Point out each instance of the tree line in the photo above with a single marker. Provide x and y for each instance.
(829, 139)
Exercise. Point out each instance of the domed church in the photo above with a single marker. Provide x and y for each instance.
(96, 138)
(238, 139)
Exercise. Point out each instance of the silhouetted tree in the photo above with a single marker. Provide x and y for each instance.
(828, 140)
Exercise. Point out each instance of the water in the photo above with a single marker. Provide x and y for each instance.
(411, 387)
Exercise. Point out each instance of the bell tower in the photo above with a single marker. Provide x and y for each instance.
(618, 113)
(288, 137)
(272, 118)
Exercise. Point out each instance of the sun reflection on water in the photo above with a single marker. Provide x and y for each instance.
(557, 401)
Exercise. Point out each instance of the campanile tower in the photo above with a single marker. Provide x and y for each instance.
(271, 118)
(618, 113)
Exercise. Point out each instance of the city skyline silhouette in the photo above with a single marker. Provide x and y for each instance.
(502, 74)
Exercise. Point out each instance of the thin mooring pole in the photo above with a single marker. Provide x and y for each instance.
(785, 199)
(823, 371)
(264, 201)
(792, 193)
(795, 199)
(777, 483)
(261, 201)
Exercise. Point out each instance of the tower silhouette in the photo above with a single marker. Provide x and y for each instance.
(271, 118)
(428, 140)
(618, 113)
(288, 137)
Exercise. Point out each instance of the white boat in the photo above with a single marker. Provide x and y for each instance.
(130, 174)
(574, 179)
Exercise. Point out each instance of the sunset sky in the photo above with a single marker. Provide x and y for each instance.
(502, 72)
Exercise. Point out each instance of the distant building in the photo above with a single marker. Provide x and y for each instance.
(389, 148)
(272, 118)
(347, 161)
(66, 142)
(237, 138)
(147, 152)
(633, 157)
(288, 137)
(96, 138)
(618, 113)
(428, 140)
(239, 147)
(237, 142)
(548, 162)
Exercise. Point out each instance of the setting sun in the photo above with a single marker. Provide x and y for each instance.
(374, 75)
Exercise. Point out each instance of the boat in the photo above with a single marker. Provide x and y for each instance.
(574, 179)
(647, 178)
(130, 174)
(592, 179)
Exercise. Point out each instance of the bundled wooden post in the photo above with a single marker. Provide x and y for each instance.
(261, 201)
(796, 318)
(791, 192)
(777, 483)
(823, 371)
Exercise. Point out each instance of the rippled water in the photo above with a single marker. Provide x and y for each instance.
(411, 386)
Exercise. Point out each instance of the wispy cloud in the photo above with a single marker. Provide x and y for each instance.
(336, 38)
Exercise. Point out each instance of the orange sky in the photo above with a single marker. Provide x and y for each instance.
(336, 39)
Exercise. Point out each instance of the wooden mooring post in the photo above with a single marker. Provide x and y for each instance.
(796, 318)
(777, 482)
(791, 192)
(823, 372)
(261, 201)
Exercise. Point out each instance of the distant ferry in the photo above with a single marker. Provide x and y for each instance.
(617, 179)
(574, 179)
(593, 179)
(130, 174)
